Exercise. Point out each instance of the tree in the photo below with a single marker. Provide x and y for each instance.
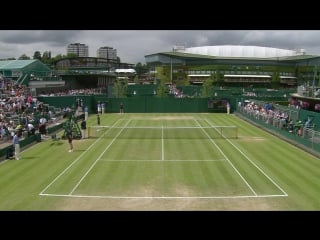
(141, 68)
(46, 58)
(46, 55)
(162, 89)
(37, 55)
(216, 77)
(138, 68)
(207, 88)
(162, 74)
(24, 57)
(275, 79)
(71, 55)
(57, 57)
(186, 81)
(136, 79)
(120, 88)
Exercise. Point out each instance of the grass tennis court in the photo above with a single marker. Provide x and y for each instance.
(163, 162)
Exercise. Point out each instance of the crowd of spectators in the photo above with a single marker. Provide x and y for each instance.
(272, 115)
(298, 104)
(68, 92)
(20, 110)
(177, 93)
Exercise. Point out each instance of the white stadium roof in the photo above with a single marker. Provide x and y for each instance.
(241, 51)
(248, 76)
(130, 70)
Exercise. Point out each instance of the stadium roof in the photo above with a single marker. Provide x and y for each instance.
(15, 64)
(224, 53)
(247, 76)
(241, 51)
(199, 75)
(189, 55)
(130, 70)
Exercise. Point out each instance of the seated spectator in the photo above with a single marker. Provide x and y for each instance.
(42, 129)
(290, 126)
(43, 120)
(31, 129)
(308, 123)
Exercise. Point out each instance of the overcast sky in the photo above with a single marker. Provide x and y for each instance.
(133, 45)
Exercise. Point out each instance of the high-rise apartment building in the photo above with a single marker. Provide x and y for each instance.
(107, 52)
(81, 50)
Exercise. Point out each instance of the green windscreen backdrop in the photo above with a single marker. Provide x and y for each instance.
(142, 104)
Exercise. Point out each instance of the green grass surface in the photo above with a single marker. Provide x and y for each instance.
(163, 169)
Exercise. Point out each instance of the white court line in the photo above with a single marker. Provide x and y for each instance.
(74, 162)
(165, 197)
(158, 160)
(162, 144)
(160, 127)
(243, 154)
(245, 181)
(95, 162)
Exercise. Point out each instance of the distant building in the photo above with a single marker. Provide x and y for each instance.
(85, 72)
(236, 66)
(108, 53)
(81, 50)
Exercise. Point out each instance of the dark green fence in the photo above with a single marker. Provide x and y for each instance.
(158, 105)
(143, 98)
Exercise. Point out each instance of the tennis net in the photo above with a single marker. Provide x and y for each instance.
(211, 132)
